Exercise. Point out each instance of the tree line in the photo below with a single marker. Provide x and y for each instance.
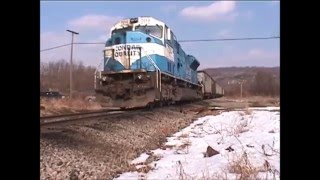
(263, 84)
(55, 76)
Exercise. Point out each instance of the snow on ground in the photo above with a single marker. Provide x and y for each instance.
(247, 142)
(265, 108)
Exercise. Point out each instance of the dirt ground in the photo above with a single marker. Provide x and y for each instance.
(103, 148)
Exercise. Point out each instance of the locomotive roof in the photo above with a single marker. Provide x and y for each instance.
(142, 20)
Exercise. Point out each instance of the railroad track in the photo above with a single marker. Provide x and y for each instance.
(66, 118)
(63, 118)
(72, 117)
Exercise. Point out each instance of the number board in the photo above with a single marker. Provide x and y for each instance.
(144, 20)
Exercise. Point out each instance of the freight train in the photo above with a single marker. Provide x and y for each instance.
(210, 88)
(144, 65)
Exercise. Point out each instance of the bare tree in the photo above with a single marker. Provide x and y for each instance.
(265, 84)
(55, 76)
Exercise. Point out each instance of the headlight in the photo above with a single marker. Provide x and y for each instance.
(133, 20)
(140, 77)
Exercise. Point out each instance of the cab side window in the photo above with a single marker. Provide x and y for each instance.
(166, 33)
(173, 38)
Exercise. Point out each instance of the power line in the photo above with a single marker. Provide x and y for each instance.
(181, 41)
(55, 47)
(199, 40)
(68, 45)
(231, 39)
(90, 43)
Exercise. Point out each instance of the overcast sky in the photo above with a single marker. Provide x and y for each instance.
(188, 20)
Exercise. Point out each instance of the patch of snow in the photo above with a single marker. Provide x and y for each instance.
(129, 175)
(265, 108)
(233, 134)
(142, 158)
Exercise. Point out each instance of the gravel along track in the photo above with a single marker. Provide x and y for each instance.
(102, 148)
(62, 120)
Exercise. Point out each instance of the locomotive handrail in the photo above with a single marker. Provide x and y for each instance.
(151, 60)
(107, 60)
(158, 69)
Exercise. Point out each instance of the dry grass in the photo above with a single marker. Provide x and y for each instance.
(235, 129)
(183, 135)
(181, 173)
(244, 169)
(247, 111)
(241, 126)
(165, 131)
(263, 101)
(59, 106)
(218, 176)
(186, 142)
(240, 169)
(255, 101)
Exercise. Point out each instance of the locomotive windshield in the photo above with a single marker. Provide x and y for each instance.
(152, 30)
(129, 28)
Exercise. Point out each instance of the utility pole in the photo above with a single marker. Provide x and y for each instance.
(241, 90)
(241, 82)
(71, 65)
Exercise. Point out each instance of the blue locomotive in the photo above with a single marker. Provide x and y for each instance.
(145, 65)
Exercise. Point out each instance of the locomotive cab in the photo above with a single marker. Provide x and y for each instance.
(129, 40)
